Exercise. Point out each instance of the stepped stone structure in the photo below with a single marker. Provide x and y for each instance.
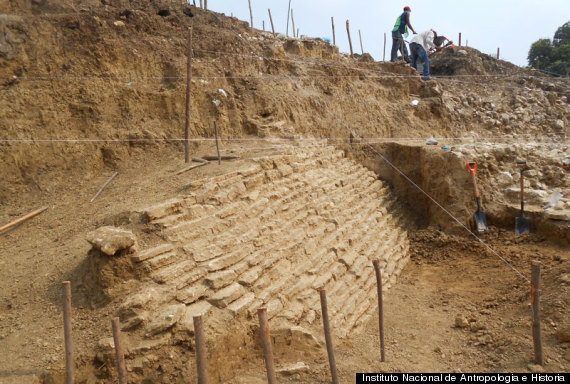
(271, 235)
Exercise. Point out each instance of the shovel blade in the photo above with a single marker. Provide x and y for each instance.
(522, 225)
(481, 221)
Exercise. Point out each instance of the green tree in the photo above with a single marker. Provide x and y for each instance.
(552, 56)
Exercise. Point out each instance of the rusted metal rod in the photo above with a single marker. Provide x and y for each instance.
(459, 40)
(535, 301)
(188, 87)
(119, 351)
(361, 47)
(69, 364)
(328, 338)
(376, 264)
(217, 144)
(271, 20)
(334, 36)
(104, 186)
(201, 361)
(349, 39)
(22, 219)
(266, 341)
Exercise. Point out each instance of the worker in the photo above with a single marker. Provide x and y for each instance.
(419, 46)
(400, 31)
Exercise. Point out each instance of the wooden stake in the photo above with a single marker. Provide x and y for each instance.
(459, 39)
(466, 43)
(288, 13)
(201, 3)
(192, 167)
(535, 302)
(380, 308)
(361, 48)
(334, 36)
(271, 20)
(266, 341)
(384, 55)
(201, 361)
(349, 39)
(119, 351)
(104, 185)
(217, 145)
(223, 157)
(263, 25)
(69, 364)
(328, 338)
(22, 219)
(293, 23)
(250, 14)
(498, 52)
(206, 4)
(188, 85)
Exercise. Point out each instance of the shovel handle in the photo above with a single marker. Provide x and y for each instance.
(522, 191)
(472, 167)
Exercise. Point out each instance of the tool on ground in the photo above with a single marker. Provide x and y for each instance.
(480, 217)
(522, 223)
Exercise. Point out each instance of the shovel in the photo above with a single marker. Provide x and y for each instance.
(480, 217)
(522, 223)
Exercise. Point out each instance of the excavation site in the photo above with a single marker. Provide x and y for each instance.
(182, 194)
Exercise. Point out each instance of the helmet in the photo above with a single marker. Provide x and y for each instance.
(407, 8)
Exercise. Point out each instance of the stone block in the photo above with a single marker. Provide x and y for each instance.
(226, 296)
(110, 240)
(240, 306)
(151, 252)
(191, 294)
(165, 319)
(220, 279)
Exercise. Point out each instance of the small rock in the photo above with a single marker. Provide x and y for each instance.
(461, 322)
(293, 369)
(119, 23)
(535, 368)
(563, 333)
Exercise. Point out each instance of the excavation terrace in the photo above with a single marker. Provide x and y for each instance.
(304, 167)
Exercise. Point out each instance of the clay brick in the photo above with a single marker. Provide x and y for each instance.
(226, 296)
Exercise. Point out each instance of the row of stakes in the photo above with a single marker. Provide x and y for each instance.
(264, 333)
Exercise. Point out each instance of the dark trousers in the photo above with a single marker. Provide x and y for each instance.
(397, 41)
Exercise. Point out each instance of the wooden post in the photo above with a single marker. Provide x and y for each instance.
(334, 37)
(206, 4)
(104, 185)
(263, 25)
(22, 219)
(250, 14)
(69, 364)
(201, 361)
(288, 13)
(271, 20)
(498, 51)
(293, 23)
(188, 85)
(361, 48)
(119, 351)
(380, 308)
(535, 302)
(266, 341)
(349, 40)
(201, 3)
(384, 55)
(402, 49)
(328, 338)
(466, 43)
(217, 145)
(459, 39)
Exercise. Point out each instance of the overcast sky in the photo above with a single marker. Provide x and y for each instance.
(512, 25)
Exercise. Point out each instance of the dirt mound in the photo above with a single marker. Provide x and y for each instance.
(469, 61)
